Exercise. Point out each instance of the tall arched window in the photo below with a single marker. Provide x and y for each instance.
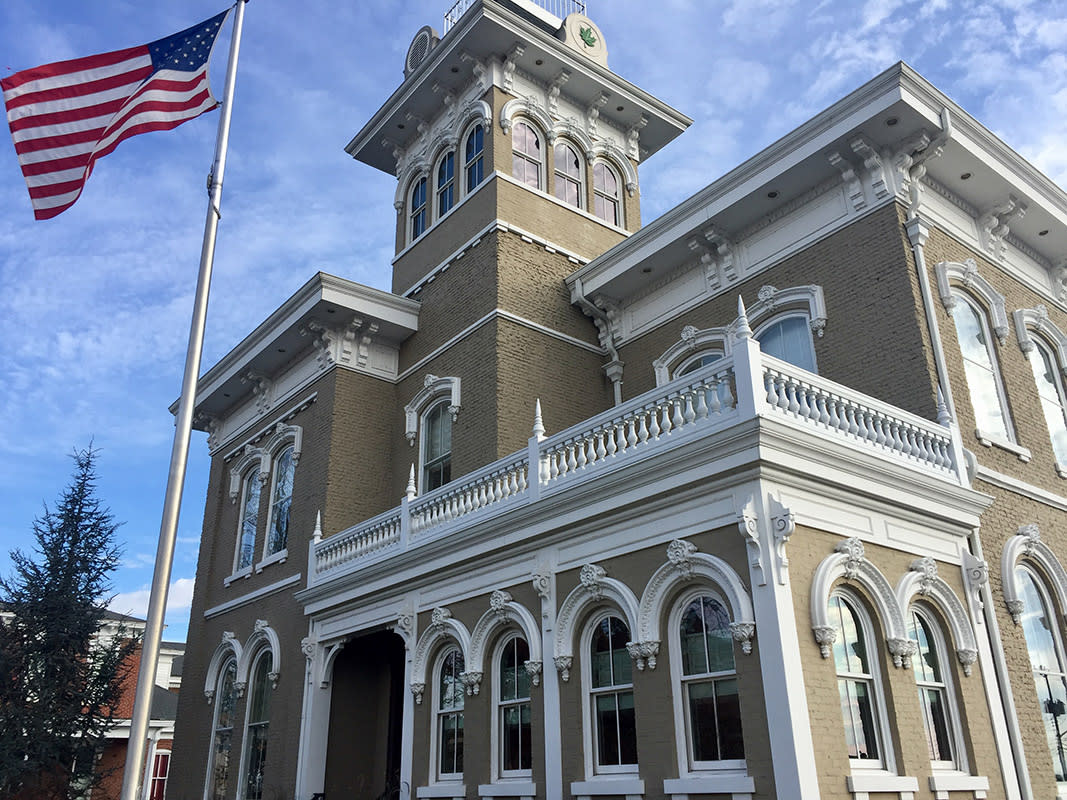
(222, 731)
(246, 530)
(709, 683)
(436, 447)
(1050, 391)
(606, 201)
(934, 689)
(474, 157)
(449, 726)
(281, 500)
(789, 339)
(857, 682)
(1047, 661)
(611, 695)
(256, 728)
(513, 708)
(527, 158)
(417, 212)
(446, 183)
(568, 174)
(979, 366)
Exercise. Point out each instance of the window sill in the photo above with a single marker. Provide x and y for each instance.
(739, 787)
(241, 573)
(525, 790)
(942, 784)
(993, 440)
(274, 558)
(1061, 470)
(453, 791)
(861, 786)
(630, 788)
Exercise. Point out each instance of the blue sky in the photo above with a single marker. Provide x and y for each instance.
(95, 304)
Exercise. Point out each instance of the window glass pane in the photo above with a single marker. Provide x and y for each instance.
(605, 193)
(1037, 626)
(446, 184)
(249, 520)
(437, 447)
(703, 729)
(473, 158)
(627, 728)
(934, 713)
(694, 652)
(1050, 390)
(283, 495)
(858, 714)
(789, 340)
(850, 650)
(982, 382)
(226, 701)
(607, 729)
(728, 716)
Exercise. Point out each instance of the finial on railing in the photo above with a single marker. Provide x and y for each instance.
(411, 484)
(539, 425)
(943, 417)
(743, 330)
(317, 535)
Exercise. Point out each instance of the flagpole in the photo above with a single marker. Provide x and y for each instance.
(157, 603)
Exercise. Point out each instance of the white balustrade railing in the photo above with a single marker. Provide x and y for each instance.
(744, 385)
(834, 408)
(559, 8)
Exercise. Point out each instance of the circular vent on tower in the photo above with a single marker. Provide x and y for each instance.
(425, 40)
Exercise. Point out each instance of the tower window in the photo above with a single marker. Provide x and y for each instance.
(606, 194)
(526, 156)
(417, 209)
(446, 184)
(979, 366)
(436, 447)
(1050, 391)
(568, 174)
(474, 157)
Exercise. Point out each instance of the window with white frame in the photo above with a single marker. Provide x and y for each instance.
(513, 708)
(709, 684)
(246, 529)
(1041, 629)
(449, 713)
(980, 368)
(474, 157)
(935, 689)
(788, 338)
(157, 786)
(446, 183)
(281, 500)
(568, 174)
(858, 682)
(1047, 376)
(611, 697)
(696, 362)
(222, 731)
(527, 159)
(436, 447)
(607, 204)
(256, 727)
(418, 214)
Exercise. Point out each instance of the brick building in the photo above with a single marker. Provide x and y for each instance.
(763, 499)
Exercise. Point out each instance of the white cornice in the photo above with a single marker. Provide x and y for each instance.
(245, 599)
(999, 479)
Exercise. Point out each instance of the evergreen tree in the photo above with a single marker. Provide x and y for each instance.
(60, 681)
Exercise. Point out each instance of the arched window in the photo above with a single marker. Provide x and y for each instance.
(222, 737)
(979, 366)
(417, 213)
(1050, 391)
(436, 447)
(606, 203)
(281, 500)
(568, 174)
(446, 183)
(449, 724)
(526, 156)
(934, 689)
(696, 362)
(789, 339)
(611, 696)
(709, 683)
(513, 708)
(246, 529)
(256, 728)
(857, 682)
(1047, 661)
(474, 157)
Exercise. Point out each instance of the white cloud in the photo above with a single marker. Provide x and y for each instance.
(179, 601)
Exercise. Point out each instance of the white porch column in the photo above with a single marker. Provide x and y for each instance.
(407, 628)
(544, 581)
(785, 696)
(314, 721)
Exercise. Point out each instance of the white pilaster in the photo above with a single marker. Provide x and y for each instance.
(314, 724)
(545, 584)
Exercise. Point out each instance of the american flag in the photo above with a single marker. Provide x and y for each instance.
(64, 116)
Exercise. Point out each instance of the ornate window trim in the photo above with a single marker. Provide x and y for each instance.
(952, 718)
(594, 770)
(1027, 545)
(263, 637)
(239, 469)
(1036, 319)
(544, 147)
(684, 566)
(433, 389)
(1048, 341)
(848, 562)
(922, 582)
(228, 648)
(461, 152)
(442, 627)
(418, 168)
(966, 276)
(617, 160)
(692, 342)
(450, 780)
(524, 107)
(560, 174)
(593, 589)
(283, 438)
(503, 614)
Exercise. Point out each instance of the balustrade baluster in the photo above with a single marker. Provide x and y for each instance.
(690, 412)
(580, 446)
(631, 432)
(677, 419)
(772, 388)
(572, 460)
(654, 429)
(728, 400)
(802, 401)
(601, 449)
(642, 429)
(664, 413)
(612, 432)
(702, 399)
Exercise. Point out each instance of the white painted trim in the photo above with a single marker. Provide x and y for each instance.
(444, 626)
(228, 648)
(952, 274)
(600, 787)
(1027, 545)
(251, 597)
(953, 718)
(586, 596)
(941, 783)
(1028, 490)
(248, 458)
(996, 440)
(274, 558)
(527, 790)
(1037, 320)
(456, 791)
(263, 637)
(881, 782)
(246, 572)
(266, 429)
(511, 615)
(922, 581)
(497, 774)
(739, 786)
(543, 195)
